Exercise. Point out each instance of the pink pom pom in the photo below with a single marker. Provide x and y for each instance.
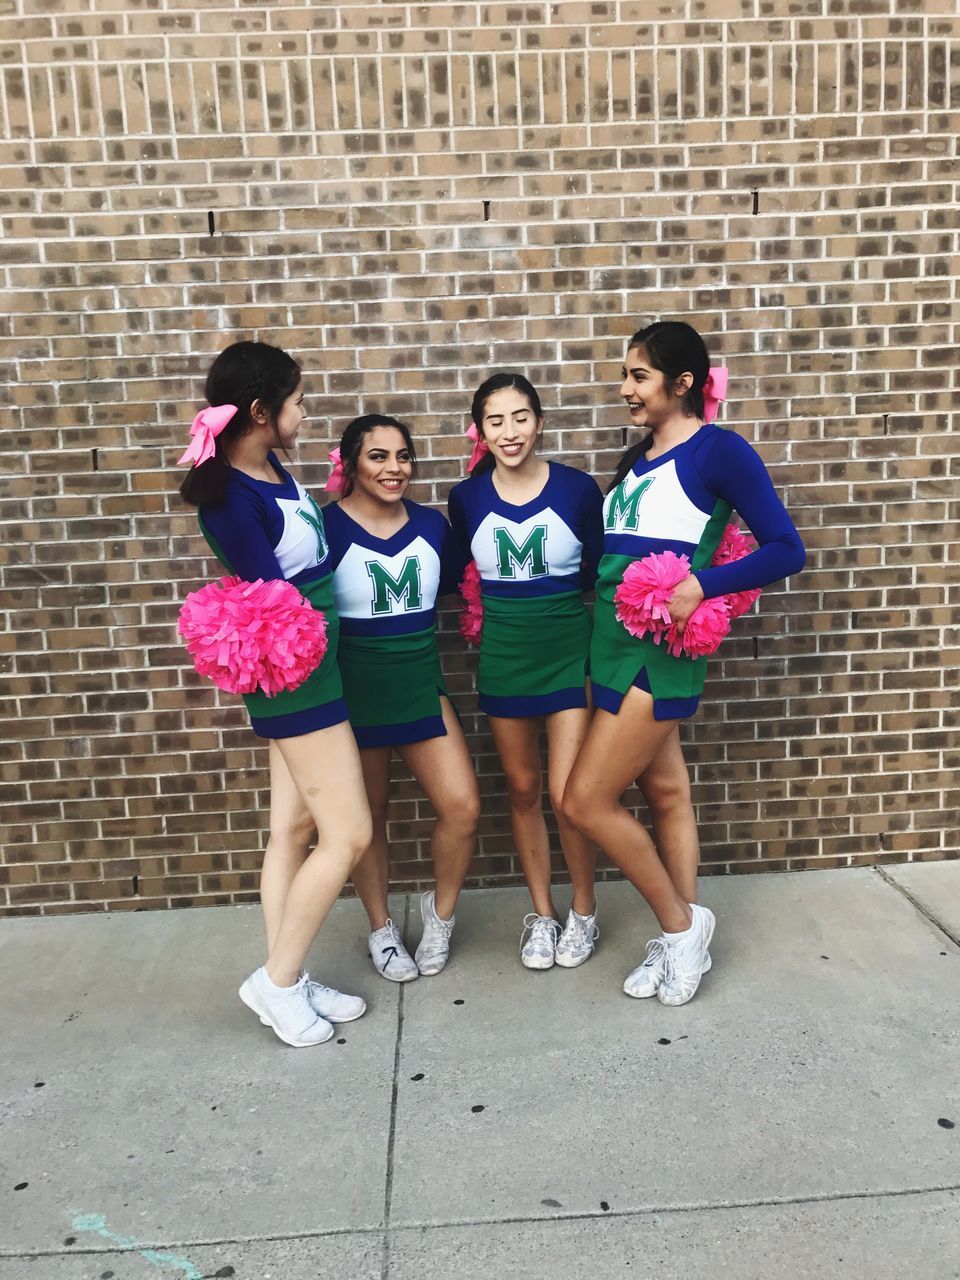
(641, 598)
(471, 616)
(247, 636)
(706, 627)
(734, 545)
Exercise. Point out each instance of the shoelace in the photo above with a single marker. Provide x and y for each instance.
(579, 931)
(542, 931)
(656, 953)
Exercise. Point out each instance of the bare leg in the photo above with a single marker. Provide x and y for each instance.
(444, 769)
(618, 749)
(666, 787)
(291, 832)
(325, 769)
(371, 875)
(566, 731)
(518, 744)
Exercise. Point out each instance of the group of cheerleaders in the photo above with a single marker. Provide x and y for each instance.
(542, 535)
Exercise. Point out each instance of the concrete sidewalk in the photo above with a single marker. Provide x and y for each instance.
(796, 1119)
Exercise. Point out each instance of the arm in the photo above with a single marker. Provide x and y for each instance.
(453, 561)
(733, 471)
(458, 524)
(591, 534)
(237, 532)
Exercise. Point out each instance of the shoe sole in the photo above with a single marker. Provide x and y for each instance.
(327, 1017)
(253, 1004)
(674, 1004)
(538, 966)
(647, 995)
(572, 962)
(431, 973)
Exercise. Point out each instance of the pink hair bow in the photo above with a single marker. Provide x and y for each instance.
(335, 482)
(480, 446)
(204, 430)
(714, 391)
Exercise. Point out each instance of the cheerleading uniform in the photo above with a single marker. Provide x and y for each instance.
(535, 560)
(681, 502)
(386, 595)
(272, 530)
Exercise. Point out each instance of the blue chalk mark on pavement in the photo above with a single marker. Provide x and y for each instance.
(96, 1223)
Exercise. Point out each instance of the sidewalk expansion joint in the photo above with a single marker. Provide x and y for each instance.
(924, 911)
(392, 1133)
(645, 1211)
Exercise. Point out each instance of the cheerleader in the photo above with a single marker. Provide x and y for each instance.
(391, 559)
(534, 529)
(673, 490)
(261, 524)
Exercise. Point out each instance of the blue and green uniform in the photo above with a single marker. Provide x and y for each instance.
(386, 593)
(535, 561)
(681, 502)
(275, 530)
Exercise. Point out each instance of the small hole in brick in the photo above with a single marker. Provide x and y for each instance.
(486, 210)
(94, 460)
(756, 200)
(211, 223)
(756, 646)
(886, 423)
(136, 884)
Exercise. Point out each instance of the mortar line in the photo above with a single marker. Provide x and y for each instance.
(647, 1211)
(924, 911)
(392, 1133)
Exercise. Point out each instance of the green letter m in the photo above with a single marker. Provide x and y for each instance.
(626, 509)
(510, 557)
(404, 589)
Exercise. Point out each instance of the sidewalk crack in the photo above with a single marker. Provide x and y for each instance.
(924, 911)
(391, 1137)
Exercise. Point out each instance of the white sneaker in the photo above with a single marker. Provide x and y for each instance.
(434, 948)
(684, 959)
(538, 942)
(578, 940)
(334, 1005)
(286, 1009)
(644, 981)
(390, 957)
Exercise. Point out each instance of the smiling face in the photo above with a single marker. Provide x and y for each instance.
(510, 427)
(649, 395)
(384, 466)
(291, 418)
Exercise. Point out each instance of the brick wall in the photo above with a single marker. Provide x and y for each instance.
(406, 196)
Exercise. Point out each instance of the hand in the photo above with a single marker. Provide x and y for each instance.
(684, 600)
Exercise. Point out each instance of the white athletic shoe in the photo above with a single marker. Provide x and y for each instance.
(578, 939)
(684, 959)
(286, 1009)
(434, 947)
(334, 1005)
(538, 942)
(390, 957)
(644, 981)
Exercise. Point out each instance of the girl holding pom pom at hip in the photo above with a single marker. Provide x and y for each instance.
(666, 514)
(265, 529)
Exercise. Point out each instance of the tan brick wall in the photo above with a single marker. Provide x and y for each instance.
(406, 195)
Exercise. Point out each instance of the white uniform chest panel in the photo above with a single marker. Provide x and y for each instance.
(369, 584)
(302, 544)
(654, 506)
(541, 546)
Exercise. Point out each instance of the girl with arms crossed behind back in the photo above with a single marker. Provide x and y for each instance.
(534, 529)
(260, 523)
(673, 490)
(392, 558)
